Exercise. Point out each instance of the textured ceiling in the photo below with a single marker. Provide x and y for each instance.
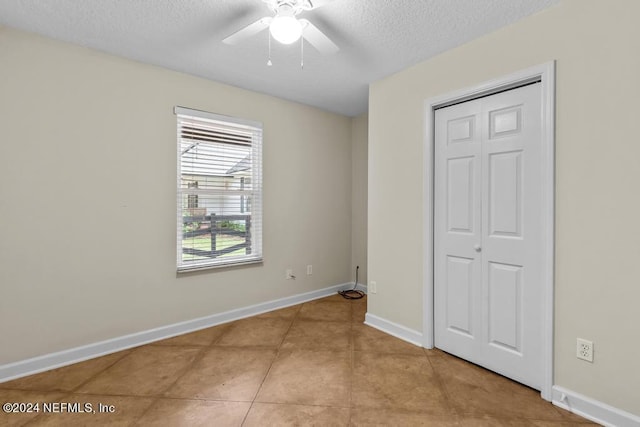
(376, 38)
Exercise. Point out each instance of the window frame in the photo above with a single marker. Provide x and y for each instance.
(184, 114)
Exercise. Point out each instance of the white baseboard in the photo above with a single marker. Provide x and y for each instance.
(391, 328)
(592, 409)
(58, 359)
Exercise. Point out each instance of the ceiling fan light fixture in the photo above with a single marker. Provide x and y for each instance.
(285, 28)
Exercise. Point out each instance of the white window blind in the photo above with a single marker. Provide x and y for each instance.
(219, 190)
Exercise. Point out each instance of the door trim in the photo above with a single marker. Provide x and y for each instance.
(545, 74)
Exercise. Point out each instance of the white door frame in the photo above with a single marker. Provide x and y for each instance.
(544, 73)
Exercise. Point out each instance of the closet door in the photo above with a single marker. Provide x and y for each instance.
(458, 234)
(488, 295)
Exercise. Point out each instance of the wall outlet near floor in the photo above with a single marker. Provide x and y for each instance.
(373, 287)
(584, 350)
(289, 274)
(309, 270)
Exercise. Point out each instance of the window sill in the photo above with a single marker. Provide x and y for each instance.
(231, 264)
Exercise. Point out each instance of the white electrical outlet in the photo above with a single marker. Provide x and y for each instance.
(309, 270)
(289, 274)
(373, 287)
(584, 350)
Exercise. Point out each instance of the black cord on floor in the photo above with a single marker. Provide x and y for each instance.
(353, 293)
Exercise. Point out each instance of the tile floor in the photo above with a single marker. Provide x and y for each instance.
(312, 364)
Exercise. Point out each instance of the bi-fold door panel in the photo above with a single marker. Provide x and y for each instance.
(458, 197)
(487, 291)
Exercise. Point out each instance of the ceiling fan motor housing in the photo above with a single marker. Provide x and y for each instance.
(287, 7)
(286, 28)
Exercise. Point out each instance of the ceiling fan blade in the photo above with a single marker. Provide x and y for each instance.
(314, 4)
(317, 39)
(248, 31)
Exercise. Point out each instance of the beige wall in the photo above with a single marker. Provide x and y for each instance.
(359, 142)
(87, 198)
(596, 45)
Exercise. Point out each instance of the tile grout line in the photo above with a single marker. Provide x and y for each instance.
(284, 336)
(73, 391)
(160, 395)
(443, 389)
(93, 377)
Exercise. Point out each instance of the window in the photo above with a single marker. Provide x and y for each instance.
(219, 190)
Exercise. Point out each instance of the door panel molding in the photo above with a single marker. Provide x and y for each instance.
(545, 74)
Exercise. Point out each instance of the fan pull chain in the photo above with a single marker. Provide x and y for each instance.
(269, 63)
(302, 53)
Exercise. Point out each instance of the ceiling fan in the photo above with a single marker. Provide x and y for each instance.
(285, 27)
